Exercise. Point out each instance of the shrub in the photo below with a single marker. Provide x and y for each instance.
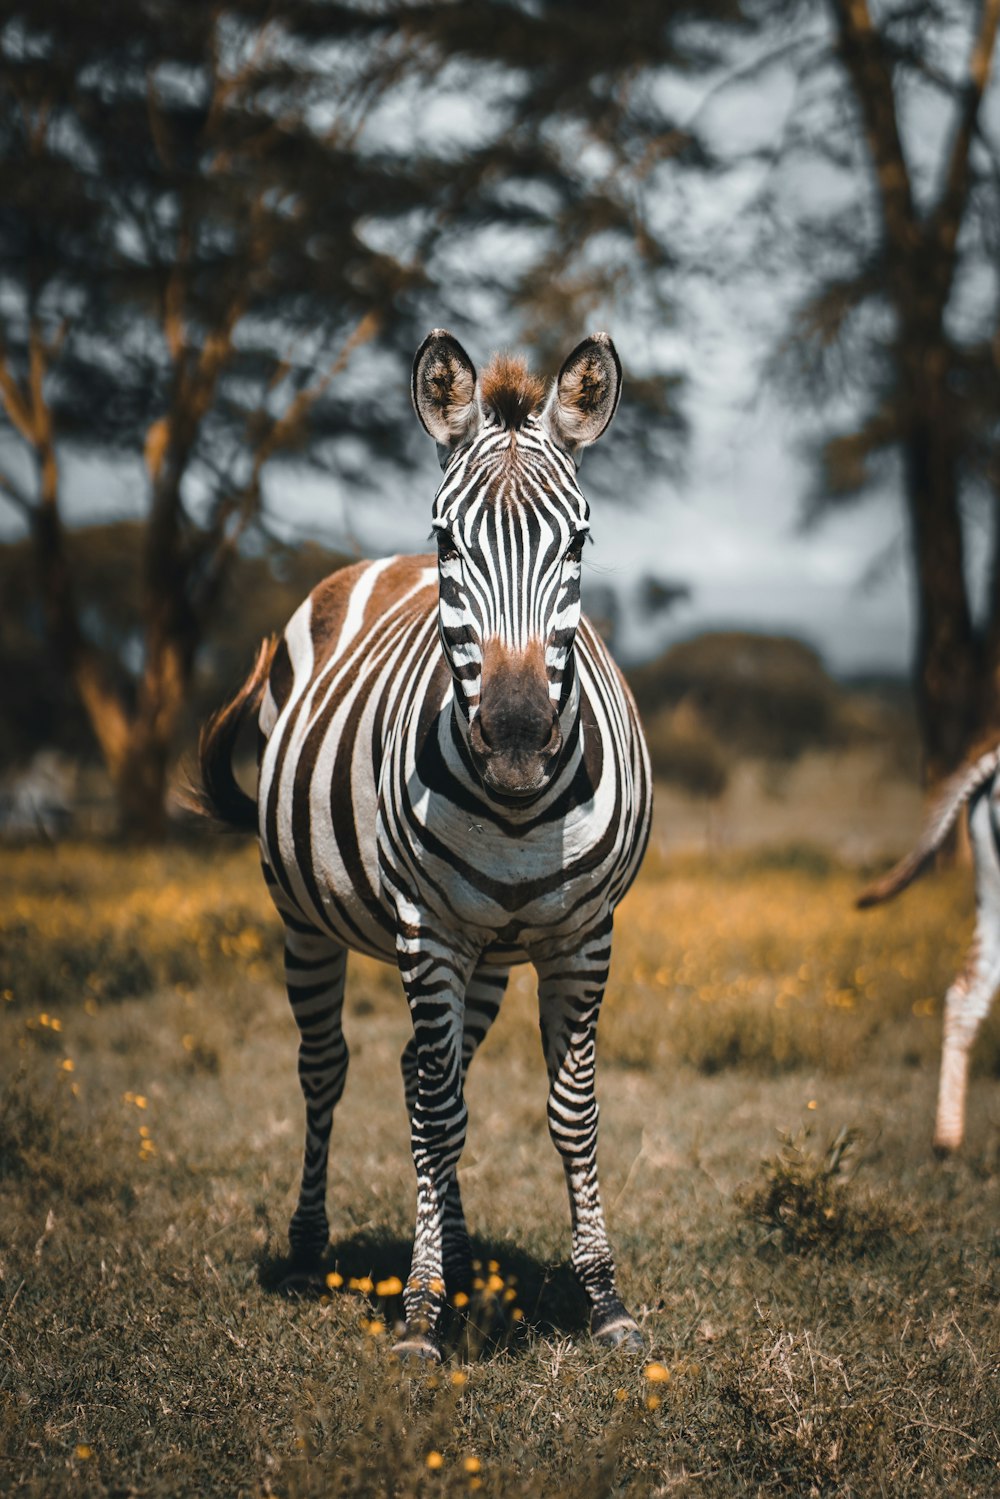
(810, 1204)
(758, 694)
(685, 752)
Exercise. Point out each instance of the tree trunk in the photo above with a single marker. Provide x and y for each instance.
(141, 780)
(141, 786)
(989, 662)
(946, 648)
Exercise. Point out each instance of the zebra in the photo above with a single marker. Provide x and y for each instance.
(968, 1000)
(452, 777)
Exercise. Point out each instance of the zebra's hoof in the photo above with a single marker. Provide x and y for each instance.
(617, 1330)
(417, 1349)
(301, 1281)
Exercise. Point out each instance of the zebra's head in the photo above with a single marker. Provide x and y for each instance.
(511, 523)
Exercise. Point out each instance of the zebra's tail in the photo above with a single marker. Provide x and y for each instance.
(220, 796)
(957, 791)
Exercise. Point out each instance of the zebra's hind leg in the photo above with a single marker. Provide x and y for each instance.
(483, 997)
(315, 970)
(969, 999)
(570, 990)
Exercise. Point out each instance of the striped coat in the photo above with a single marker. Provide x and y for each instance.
(359, 698)
(452, 777)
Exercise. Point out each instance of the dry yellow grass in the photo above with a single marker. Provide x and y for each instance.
(150, 1136)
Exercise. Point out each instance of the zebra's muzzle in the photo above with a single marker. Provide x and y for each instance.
(515, 742)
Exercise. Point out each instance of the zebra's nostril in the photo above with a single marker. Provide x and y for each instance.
(555, 739)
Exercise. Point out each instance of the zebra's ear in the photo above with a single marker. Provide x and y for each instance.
(585, 396)
(444, 390)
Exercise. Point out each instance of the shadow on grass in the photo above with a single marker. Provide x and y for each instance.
(547, 1297)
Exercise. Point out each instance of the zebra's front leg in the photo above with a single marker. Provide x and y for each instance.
(570, 990)
(435, 981)
(483, 997)
(315, 970)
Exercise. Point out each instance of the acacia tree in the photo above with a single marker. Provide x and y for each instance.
(200, 225)
(183, 274)
(899, 324)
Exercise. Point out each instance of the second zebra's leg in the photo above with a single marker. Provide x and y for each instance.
(483, 997)
(570, 990)
(315, 970)
(969, 999)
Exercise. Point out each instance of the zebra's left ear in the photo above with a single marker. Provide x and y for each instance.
(444, 390)
(585, 396)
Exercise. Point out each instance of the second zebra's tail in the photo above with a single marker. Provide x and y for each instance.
(957, 791)
(220, 795)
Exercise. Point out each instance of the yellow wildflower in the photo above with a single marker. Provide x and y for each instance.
(434, 1461)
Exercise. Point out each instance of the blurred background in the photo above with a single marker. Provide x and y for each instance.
(224, 229)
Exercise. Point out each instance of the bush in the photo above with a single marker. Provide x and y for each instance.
(810, 1204)
(758, 694)
(686, 753)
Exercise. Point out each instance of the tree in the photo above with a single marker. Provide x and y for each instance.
(203, 217)
(184, 272)
(899, 326)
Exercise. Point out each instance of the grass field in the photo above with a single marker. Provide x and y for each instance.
(819, 1295)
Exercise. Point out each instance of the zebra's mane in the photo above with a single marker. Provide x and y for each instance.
(509, 389)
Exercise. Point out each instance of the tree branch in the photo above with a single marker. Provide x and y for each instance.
(946, 220)
(864, 60)
(14, 402)
(222, 538)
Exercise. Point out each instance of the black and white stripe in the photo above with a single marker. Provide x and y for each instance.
(453, 778)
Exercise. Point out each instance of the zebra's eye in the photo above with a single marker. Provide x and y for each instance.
(574, 551)
(447, 547)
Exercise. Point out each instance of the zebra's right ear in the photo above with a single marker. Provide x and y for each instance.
(585, 395)
(444, 390)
